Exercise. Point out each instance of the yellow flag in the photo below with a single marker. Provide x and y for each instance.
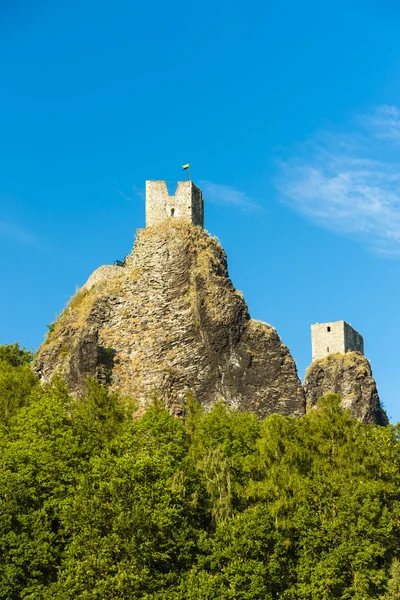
(184, 167)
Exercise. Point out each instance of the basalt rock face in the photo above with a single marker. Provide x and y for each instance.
(170, 321)
(350, 376)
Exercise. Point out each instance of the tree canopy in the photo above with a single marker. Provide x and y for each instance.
(96, 504)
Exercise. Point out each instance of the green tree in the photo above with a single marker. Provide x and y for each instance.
(332, 484)
(393, 591)
(41, 461)
(246, 559)
(97, 505)
(135, 519)
(14, 355)
(16, 385)
(97, 417)
(221, 442)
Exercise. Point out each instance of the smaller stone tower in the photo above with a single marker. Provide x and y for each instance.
(187, 204)
(333, 337)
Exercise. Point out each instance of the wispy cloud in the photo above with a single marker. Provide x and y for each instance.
(384, 123)
(135, 192)
(15, 233)
(349, 182)
(224, 194)
(123, 195)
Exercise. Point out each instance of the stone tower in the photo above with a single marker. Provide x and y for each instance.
(187, 204)
(333, 337)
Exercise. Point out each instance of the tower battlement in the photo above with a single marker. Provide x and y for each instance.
(333, 337)
(187, 203)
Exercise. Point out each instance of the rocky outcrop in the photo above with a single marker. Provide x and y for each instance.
(170, 321)
(350, 376)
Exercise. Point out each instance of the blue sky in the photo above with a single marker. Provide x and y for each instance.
(288, 113)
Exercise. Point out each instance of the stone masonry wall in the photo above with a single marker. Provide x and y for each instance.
(187, 204)
(353, 341)
(197, 206)
(334, 337)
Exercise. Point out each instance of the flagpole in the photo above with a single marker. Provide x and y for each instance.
(187, 168)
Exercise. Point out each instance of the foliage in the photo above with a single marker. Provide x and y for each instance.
(41, 461)
(14, 355)
(17, 382)
(98, 505)
(393, 591)
(244, 559)
(135, 518)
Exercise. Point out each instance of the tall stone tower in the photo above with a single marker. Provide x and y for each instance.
(187, 204)
(333, 337)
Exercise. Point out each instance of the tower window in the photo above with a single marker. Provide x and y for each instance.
(328, 328)
(172, 212)
(327, 349)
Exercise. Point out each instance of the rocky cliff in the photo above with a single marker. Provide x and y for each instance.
(170, 321)
(350, 376)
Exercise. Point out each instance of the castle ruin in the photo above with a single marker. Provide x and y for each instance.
(187, 204)
(334, 337)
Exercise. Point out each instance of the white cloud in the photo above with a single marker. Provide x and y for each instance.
(224, 194)
(350, 183)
